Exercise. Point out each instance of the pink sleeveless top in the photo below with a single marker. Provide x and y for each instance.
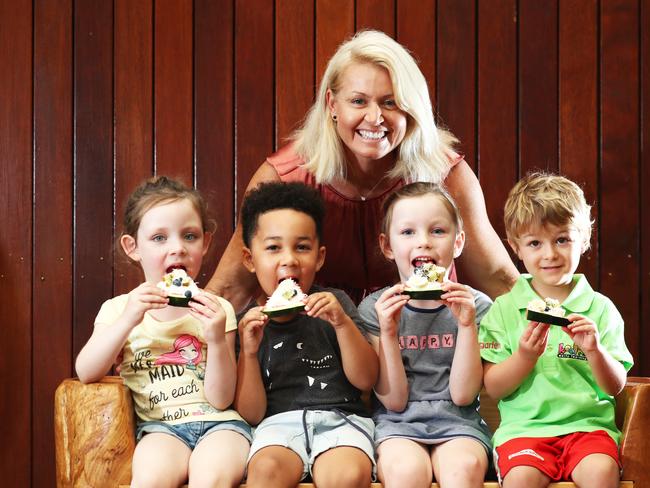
(354, 262)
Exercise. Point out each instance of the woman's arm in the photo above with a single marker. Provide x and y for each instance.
(484, 262)
(231, 280)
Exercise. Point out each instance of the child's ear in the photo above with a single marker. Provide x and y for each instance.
(207, 239)
(321, 258)
(514, 246)
(247, 259)
(459, 243)
(384, 245)
(130, 247)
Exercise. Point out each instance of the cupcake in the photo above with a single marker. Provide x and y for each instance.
(547, 311)
(180, 288)
(426, 282)
(286, 299)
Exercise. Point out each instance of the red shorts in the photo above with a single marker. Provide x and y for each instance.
(556, 457)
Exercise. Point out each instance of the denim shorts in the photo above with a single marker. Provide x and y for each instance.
(191, 433)
(309, 433)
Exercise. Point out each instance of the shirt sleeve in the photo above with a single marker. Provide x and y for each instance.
(349, 308)
(368, 315)
(482, 303)
(612, 334)
(492, 335)
(111, 310)
(231, 318)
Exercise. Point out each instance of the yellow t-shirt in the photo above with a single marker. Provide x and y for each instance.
(163, 365)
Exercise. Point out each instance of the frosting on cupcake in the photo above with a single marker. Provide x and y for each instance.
(179, 284)
(287, 294)
(428, 276)
(549, 306)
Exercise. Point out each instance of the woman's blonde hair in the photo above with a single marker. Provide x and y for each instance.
(425, 152)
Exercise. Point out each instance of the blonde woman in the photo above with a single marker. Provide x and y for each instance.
(371, 130)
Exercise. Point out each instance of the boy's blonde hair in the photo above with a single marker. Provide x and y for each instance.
(543, 198)
(424, 153)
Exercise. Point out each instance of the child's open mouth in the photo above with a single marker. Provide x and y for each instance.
(175, 266)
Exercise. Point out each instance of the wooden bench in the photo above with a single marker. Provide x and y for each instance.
(94, 438)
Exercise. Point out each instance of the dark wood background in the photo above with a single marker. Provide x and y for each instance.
(95, 95)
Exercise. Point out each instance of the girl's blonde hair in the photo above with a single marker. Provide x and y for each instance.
(419, 189)
(425, 152)
(161, 190)
(543, 198)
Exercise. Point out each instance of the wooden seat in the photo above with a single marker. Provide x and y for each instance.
(94, 433)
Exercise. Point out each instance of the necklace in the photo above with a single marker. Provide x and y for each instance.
(364, 197)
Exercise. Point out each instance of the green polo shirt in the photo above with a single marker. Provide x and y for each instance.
(560, 395)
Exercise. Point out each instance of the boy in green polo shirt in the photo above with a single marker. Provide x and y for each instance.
(556, 385)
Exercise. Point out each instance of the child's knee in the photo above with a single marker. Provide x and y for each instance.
(527, 476)
(414, 469)
(469, 465)
(597, 471)
(353, 475)
(154, 479)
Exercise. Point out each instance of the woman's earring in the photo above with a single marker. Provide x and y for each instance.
(334, 118)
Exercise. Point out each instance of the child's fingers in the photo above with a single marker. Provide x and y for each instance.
(585, 329)
(397, 289)
(392, 300)
(314, 308)
(154, 299)
(391, 310)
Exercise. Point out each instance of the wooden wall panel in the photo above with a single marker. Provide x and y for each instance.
(16, 243)
(334, 24)
(619, 177)
(173, 141)
(52, 273)
(578, 88)
(538, 73)
(497, 104)
(376, 14)
(643, 360)
(214, 128)
(416, 30)
(253, 94)
(133, 112)
(93, 164)
(294, 66)
(457, 72)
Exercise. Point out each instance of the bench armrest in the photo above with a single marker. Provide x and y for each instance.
(633, 414)
(93, 433)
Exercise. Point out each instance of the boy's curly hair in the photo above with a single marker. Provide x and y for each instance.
(277, 196)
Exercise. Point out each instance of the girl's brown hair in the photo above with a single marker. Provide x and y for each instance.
(159, 190)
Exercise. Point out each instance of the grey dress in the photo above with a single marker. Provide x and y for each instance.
(428, 343)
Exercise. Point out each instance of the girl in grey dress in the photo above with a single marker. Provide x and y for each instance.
(427, 420)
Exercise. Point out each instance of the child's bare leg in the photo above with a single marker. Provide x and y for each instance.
(219, 460)
(525, 476)
(160, 460)
(274, 466)
(342, 467)
(596, 471)
(402, 462)
(459, 463)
